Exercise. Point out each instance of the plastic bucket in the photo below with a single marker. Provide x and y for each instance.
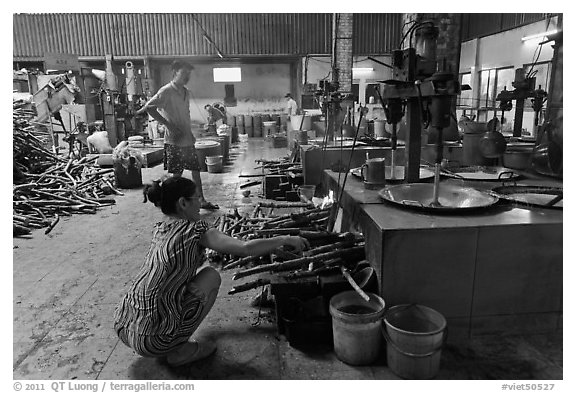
(211, 160)
(356, 326)
(415, 335)
(205, 148)
(214, 168)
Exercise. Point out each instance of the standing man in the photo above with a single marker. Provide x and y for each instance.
(291, 105)
(170, 107)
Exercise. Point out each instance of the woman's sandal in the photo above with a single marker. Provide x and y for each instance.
(209, 206)
(203, 350)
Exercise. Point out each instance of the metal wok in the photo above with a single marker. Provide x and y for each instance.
(539, 196)
(452, 199)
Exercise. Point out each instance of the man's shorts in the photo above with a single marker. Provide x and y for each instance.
(178, 158)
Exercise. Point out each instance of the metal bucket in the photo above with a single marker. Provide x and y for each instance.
(356, 326)
(415, 335)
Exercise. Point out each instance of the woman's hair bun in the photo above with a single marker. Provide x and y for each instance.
(153, 193)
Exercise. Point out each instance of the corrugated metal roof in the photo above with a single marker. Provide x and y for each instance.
(480, 25)
(159, 35)
(376, 33)
(95, 35)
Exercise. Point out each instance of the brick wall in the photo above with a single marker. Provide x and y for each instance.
(343, 29)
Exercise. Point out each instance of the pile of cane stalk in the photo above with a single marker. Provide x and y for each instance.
(46, 185)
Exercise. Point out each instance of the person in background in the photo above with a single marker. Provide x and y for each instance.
(216, 116)
(170, 107)
(171, 295)
(97, 141)
(291, 105)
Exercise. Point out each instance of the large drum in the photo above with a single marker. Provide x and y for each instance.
(205, 148)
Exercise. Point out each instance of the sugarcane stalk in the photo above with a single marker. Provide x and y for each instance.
(244, 233)
(18, 230)
(299, 263)
(237, 225)
(285, 255)
(284, 205)
(23, 187)
(328, 267)
(280, 231)
(250, 285)
(250, 184)
(222, 223)
(52, 224)
(303, 220)
(241, 262)
(114, 190)
(328, 247)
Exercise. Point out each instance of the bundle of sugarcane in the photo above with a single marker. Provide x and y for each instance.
(278, 167)
(63, 189)
(346, 250)
(47, 186)
(29, 144)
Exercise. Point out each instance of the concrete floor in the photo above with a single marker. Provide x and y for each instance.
(68, 283)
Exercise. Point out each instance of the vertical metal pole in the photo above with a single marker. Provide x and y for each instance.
(413, 141)
(518, 114)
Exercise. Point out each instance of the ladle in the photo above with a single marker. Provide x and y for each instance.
(356, 287)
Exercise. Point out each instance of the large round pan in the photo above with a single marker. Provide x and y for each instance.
(452, 199)
(539, 196)
(425, 173)
(482, 173)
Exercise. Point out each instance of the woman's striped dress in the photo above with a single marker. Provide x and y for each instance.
(159, 313)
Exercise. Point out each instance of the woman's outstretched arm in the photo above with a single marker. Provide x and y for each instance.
(225, 244)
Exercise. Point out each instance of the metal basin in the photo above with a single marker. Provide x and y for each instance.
(482, 173)
(425, 173)
(451, 198)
